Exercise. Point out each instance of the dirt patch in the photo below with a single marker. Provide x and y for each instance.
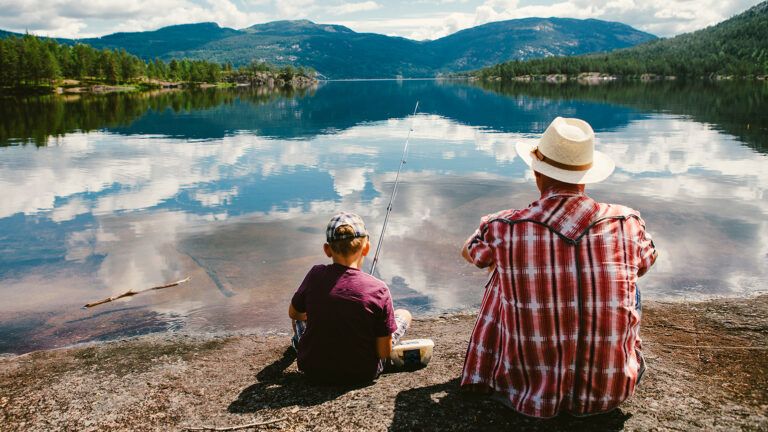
(162, 383)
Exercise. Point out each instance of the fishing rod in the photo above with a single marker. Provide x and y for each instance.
(394, 191)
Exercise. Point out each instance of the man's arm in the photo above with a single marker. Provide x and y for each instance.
(644, 270)
(477, 249)
(465, 254)
(384, 346)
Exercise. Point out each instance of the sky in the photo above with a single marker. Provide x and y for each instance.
(414, 19)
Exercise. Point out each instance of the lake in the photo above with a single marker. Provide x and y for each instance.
(101, 194)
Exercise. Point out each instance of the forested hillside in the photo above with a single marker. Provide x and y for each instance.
(735, 47)
(30, 61)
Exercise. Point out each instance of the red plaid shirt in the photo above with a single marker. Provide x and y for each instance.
(557, 328)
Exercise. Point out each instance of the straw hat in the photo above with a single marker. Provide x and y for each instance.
(566, 152)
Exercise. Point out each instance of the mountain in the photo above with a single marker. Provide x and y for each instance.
(5, 34)
(334, 51)
(159, 43)
(737, 46)
(339, 52)
(527, 38)
(296, 28)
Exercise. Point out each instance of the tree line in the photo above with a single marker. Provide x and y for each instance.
(736, 47)
(33, 61)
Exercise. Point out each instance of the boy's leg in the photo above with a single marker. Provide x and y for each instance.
(403, 319)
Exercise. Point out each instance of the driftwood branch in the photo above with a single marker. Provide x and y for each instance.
(131, 293)
(233, 428)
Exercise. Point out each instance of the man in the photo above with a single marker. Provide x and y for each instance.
(558, 325)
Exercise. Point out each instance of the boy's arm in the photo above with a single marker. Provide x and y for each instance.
(299, 301)
(384, 346)
(296, 315)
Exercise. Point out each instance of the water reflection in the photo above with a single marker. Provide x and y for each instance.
(732, 107)
(34, 120)
(239, 203)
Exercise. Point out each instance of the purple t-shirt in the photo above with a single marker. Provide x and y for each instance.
(347, 310)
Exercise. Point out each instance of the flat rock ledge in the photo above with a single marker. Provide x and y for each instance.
(708, 370)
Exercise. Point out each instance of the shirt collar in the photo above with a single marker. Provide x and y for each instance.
(551, 192)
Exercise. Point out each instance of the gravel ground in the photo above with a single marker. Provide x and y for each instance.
(174, 382)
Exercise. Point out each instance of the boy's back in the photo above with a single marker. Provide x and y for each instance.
(347, 310)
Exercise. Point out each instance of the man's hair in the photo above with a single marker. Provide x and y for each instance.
(347, 246)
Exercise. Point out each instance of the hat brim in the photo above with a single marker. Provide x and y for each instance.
(602, 166)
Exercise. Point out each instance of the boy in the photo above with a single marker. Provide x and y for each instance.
(344, 321)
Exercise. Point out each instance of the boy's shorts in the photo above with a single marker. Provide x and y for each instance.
(402, 327)
(301, 327)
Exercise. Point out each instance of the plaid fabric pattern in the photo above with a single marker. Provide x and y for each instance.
(557, 329)
(344, 218)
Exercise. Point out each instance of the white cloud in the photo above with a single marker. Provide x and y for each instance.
(80, 18)
(70, 210)
(659, 17)
(349, 180)
(427, 19)
(215, 198)
(348, 8)
(294, 9)
(420, 27)
(223, 12)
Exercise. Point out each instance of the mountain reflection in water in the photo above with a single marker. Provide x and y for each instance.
(234, 188)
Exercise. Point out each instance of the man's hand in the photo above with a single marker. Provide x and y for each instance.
(465, 253)
(643, 271)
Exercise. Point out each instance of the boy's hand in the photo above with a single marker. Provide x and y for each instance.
(384, 346)
(296, 315)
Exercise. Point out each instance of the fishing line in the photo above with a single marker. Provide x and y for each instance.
(394, 191)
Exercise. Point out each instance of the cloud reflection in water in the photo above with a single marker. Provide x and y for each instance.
(244, 214)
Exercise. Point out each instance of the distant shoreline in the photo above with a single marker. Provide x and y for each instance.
(74, 87)
(600, 78)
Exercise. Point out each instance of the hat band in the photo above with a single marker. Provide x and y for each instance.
(540, 156)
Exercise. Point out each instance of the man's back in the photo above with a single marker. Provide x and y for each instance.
(557, 329)
(347, 310)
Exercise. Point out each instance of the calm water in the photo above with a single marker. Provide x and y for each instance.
(233, 188)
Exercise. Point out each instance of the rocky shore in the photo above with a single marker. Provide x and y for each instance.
(708, 370)
(601, 78)
(270, 80)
